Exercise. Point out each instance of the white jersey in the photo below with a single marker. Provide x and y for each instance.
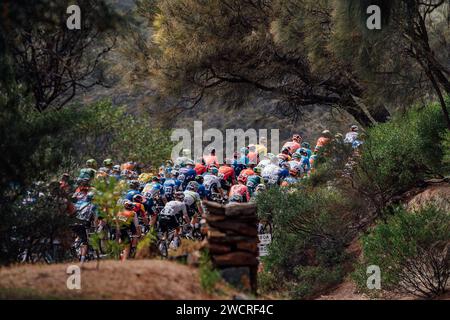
(210, 180)
(297, 165)
(263, 163)
(173, 208)
(191, 198)
(351, 137)
(271, 173)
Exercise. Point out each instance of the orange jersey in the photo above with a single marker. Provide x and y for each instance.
(322, 141)
(227, 172)
(200, 169)
(247, 172)
(253, 157)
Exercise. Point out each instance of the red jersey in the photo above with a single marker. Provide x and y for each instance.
(200, 169)
(227, 173)
(292, 145)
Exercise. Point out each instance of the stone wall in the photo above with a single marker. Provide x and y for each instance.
(232, 242)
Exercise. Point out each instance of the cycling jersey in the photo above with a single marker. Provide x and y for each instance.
(350, 137)
(252, 182)
(271, 173)
(226, 173)
(152, 188)
(306, 165)
(261, 150)
(292, 146)
(191, 199)
(283, 173)
(186, 175)
(130, 194)
(87, 173)
(127, 218)
(211, 160)
(240, 190)
(174, 208)
(322, 141)
(247, 172)
(290, 180)
(201, 191)
(297, 165)
(200, 169)
(253, 157)
(170, 186)
(211, 183)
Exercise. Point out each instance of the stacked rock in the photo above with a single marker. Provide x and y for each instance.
(232, 242)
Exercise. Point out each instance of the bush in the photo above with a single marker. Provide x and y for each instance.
(311, 228)
(411, 251)
(209, 276)
(400, 154)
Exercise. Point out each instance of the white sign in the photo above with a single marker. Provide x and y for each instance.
(264, 240)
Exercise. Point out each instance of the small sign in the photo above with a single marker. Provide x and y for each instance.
(265, 238)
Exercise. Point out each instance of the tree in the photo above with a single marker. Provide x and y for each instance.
(51, 61)
(241, 49)
(411, 49)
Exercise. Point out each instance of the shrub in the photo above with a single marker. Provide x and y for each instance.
(209, 276)
(400, 154)
(411, 251)
(311, 228)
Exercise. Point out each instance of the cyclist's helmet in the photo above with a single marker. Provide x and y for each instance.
(297, 138)
(303, 152)
(213, 170)
(128, 205)
(199, 179)
(138, 198)
(134, 184)
(297, 155)
(260, 187)
(91, 163)
(257, 170)
(354, 128)
(116, 168)
(192, 186)
(190, 163)
(107, 162)
(155, 179)
(175, 173)
(179, 195)
(306, 145)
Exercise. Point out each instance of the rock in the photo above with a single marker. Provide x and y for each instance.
(238, 277)
(438, 195)
(235, 259)
(217, 248)
(237, 227)
(248, 246)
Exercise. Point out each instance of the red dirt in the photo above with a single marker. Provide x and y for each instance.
(137, 279)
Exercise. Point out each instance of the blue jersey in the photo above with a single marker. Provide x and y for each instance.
(171, 185)
(130, 194)
(283, 173)
(201, 191)
(305, 163)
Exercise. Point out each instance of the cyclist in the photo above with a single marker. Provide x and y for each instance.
(89, 171)
(211, 159)
(324, 139)
(107, 165)
(201, 187)
(171, 185)
(128, 223)
(240, 189)
(116, 172)
(291, 179)
(171, 216)
(85, 213)
(296, 162)
(253, 155)
(261, 148)
(187, 174)
(271, 172)
(139, 206)
(212, 183)
(227, 175)
(200, 167)
(185, 156)
(293, 145)
(254, 180)
(193, 203)
(351, 136)
(307, 147)
(134, 186)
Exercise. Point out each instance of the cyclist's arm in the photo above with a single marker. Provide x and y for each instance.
(185, 214)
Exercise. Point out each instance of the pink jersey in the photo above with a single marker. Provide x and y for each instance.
(241, 190)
